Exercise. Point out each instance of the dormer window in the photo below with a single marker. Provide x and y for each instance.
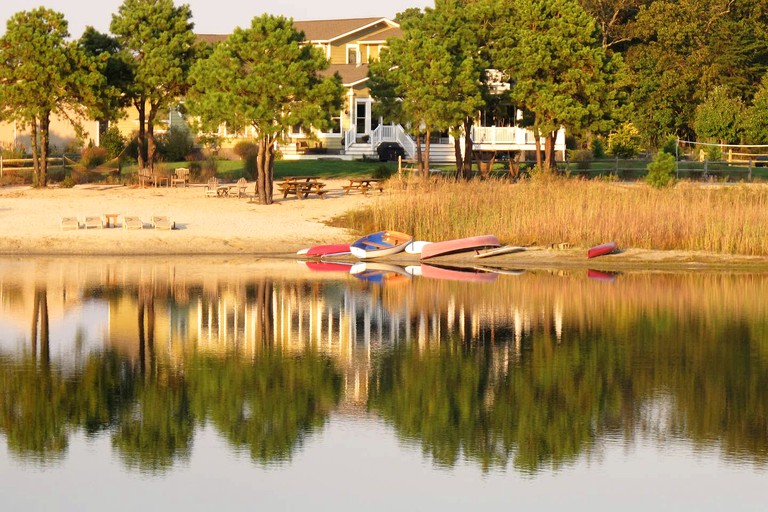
(353, 54)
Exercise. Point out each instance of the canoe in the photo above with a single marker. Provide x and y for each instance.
(600, 250)
(376, 245)
(324, 250)
(416, 246)
(379, 273)
(601, 275)
(472, 243)
(469, 275)
(498, 251)
(327, 266)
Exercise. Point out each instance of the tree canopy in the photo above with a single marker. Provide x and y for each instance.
(159, 39)
(265, 77)
(43, 74)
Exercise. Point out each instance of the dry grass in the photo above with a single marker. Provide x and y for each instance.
(726, 219)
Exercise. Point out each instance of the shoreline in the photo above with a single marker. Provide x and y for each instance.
(231, 227)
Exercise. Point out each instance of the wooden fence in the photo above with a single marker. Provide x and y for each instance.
(13, 165)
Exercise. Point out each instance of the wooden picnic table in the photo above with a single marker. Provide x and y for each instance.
(302, 187)
(363, 185)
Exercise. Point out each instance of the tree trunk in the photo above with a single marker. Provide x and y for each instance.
(265, 168)
(426, 153)
(151, 146)
(35, 148)
(419, 155)
(537, 138)
(141, 138)
(457, 155)
(467, 170)
(549, 151)
(45, 122)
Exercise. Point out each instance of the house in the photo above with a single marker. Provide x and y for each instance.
(350, 45)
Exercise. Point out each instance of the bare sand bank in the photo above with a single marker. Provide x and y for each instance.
(30, 224)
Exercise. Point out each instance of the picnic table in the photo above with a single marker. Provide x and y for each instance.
(363, 185)
(302, 186)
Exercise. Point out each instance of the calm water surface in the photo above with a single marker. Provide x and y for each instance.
(280, 386)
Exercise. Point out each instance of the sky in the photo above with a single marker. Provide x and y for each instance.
(212, 16)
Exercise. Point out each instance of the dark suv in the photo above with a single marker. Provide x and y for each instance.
(390, 151)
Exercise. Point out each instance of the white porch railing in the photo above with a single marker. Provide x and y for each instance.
(393, 133)
(512, 136)
(349, 138)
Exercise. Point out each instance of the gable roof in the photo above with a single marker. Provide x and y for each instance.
(351, 74)
(330, 30)
(325, 31)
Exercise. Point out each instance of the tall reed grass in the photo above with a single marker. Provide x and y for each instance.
(727, 219)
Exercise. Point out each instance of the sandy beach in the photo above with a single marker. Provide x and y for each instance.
(31, 225)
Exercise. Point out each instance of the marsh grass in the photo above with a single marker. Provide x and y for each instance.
(730, 219)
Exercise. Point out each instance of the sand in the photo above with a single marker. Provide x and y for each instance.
(31, 225)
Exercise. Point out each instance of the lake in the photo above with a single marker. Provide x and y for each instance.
(281, 385)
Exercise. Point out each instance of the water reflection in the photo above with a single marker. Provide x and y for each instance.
(531, 371)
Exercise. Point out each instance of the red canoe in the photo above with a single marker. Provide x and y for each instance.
(600, 250)
(459, 245)
(470, 275)
(324, 250)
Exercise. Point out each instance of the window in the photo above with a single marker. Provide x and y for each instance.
(353, 54)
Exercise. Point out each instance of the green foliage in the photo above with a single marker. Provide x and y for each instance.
(113, 141)
(598, 148)
(11, 151)
(570, 86)
(238, 85)
(719, 117)
(755, 118)
(661, 172)
(581, 157)
(383, 172)
(248, 152)
(92, 157)
(43, 74)
(625, 142)
(713, 153)
(159, 38)
(175, 144)
(669, 145)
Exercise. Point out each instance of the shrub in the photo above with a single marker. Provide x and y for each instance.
(581, 157)
(247, 151)
(670, 145)
(598, 148)
(92, 157)
(625, 142)
(661, 172)
(713, 153)
(382, 172)
(113, 141)
(175, 144)
(12, 152)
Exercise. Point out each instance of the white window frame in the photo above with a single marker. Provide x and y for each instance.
(356, 48)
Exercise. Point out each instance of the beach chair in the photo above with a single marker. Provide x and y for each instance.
(162, 222)
(70, 223)
(180, 177)
(93, 221)
(131, 222)
(240, 186)
(212, 188)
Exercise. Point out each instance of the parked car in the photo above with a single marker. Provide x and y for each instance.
(388, 151)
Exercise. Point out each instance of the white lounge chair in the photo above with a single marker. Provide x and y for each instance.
(162, 222)
(70, 223)
(131, 222)
(93, 221)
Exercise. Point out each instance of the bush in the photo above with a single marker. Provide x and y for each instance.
(247, 151)
(382, 172)
(92, 157)
(12, 152)
(113, 141)
(175, 144)
(625, 142)
(598, 148)
(670, 145)
(581, 157)
(661, 172)
(713, 153)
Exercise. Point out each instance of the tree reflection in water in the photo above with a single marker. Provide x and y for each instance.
(532, 372)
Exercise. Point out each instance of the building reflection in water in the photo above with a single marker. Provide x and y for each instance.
(592, 357)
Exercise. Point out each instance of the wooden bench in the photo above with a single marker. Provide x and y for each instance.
(302, 189)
